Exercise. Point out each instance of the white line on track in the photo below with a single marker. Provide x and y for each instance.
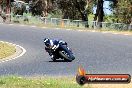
(22, 25)
(80, 30)
(93, 31)
(23, 52)
(11, 24)
(57, 28)
(116, 33)
(44, 27)
(68, 29)
(33, 26)
(71, 29)
(105, 32)
(126, 34)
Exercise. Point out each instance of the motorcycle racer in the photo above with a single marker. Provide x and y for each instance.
(51, 45)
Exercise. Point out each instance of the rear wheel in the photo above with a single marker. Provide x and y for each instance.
(66, 56)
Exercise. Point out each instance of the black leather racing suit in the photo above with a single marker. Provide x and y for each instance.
(55, 43)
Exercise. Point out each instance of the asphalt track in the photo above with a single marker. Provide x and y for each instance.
(95, 51)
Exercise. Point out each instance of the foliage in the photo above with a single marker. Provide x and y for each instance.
(80, 9)
(122, 12)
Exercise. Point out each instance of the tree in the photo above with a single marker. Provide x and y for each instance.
(122, 11)
(74, 9)
(18, 8)
(41, 7)
(99, 12)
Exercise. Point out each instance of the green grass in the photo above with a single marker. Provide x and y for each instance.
(43, 82)
(51, 82)
(6, 50)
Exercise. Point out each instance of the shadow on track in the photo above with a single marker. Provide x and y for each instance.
(57, 61)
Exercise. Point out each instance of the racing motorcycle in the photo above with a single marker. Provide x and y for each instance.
(63, 52)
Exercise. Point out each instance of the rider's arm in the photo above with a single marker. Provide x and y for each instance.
(56, 43)
(62, 42)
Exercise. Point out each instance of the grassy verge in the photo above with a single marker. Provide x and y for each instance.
(39, 24)
(129, 32)
(44, 82)
(6, 50)
(51, 82)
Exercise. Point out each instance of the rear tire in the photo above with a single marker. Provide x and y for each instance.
(66, 58)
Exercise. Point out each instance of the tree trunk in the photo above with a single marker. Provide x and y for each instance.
(99, 13)
(83, 14)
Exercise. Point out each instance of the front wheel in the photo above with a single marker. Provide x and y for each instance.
(66, 56)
